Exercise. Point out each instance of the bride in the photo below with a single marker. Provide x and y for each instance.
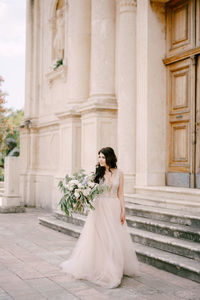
(104, 251)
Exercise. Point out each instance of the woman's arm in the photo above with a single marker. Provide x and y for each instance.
(120, 194)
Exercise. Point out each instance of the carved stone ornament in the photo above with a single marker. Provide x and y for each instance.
(127, 3)
(160, 1)
(61, 73)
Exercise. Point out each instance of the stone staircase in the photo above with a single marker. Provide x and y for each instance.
(166, 231)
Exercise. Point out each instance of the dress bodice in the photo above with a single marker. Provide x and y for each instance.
(110, 188)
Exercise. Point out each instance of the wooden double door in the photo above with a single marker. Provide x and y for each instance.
(183, 93)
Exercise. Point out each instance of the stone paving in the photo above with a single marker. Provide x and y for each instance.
(30, 255)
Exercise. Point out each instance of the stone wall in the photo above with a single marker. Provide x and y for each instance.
(109, 91)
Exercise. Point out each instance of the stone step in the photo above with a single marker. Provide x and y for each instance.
(77, 219)
(164, 228)
(163, 214)
(58, 225)
(182, 247)
(160, 227)
(169, 244)
(168, 192)
(193, 206)
(179, 265)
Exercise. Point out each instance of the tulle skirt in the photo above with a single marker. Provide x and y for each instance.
(104, 251)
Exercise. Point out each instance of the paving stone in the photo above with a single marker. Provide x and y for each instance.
(60, 295)
(6, 297)
(3, 293)
(30, 297)
(28, 250)
(14, 289)
(43, 284)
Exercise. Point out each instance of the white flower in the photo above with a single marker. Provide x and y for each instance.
(76, 193)
(91, 184)
(85, 180)
(75, 182)
(80, 185)
(86, 192)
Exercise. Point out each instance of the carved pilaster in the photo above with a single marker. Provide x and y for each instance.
(127, 91)
(127, 5)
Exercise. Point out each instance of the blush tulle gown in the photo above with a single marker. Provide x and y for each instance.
(104, 251)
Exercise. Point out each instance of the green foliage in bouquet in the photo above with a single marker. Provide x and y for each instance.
(78, 192)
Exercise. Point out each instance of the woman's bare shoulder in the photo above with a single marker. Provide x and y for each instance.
(121, 173)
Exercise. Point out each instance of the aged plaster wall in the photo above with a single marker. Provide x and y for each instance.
(151, 94)
(112, 69)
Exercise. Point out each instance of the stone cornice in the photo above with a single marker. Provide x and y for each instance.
(70, 112)
(98, 103)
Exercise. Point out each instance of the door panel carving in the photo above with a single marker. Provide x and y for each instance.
(198, 23)
(179, 99)
(180, 28)
(198, 124)
(180, 145)
(183, 92)
(181, 108)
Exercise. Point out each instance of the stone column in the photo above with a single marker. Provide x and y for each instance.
(27, 177)
(78, 48)
(70, 150)
(32, 59)
(29, 45)
(151, 95)
(102, 82)
(99, 113)
(36, 59)
(127, 91)
(11, 200)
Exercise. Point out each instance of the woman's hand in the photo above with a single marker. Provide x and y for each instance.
(122, 217)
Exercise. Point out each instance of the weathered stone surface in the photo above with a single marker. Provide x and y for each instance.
(178, 265)
(165, 238)
(163, 214)
(12, 209)
(30, 256)
(164, 228)
(188, 201)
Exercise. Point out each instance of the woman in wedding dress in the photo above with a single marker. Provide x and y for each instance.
(104, 251)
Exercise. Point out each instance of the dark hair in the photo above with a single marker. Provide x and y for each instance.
(111, 161)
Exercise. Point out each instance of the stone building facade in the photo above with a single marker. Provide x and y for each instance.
(119, 73)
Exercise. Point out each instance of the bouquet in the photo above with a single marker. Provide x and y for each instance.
(78, 192)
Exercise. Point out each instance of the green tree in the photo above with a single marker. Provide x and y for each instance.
(3, 127)
(14, 119)
(10, 121)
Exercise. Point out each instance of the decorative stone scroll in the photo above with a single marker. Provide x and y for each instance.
(127, 4)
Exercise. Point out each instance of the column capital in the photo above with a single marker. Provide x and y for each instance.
(127, 5)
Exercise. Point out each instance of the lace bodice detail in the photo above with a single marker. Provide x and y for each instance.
(110, 188)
